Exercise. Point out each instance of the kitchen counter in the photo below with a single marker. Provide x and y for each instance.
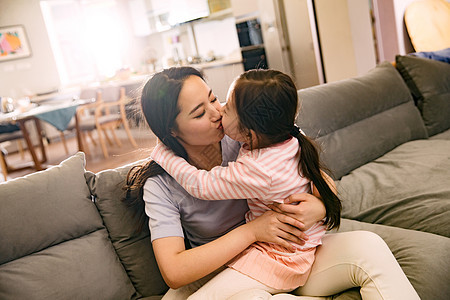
(218, 63)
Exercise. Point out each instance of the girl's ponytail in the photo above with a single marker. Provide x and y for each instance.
(311, 169)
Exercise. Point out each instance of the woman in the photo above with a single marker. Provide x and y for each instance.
(184, 114)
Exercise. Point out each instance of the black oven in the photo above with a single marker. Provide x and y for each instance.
(252, 44)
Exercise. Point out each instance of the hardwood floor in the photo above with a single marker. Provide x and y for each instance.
(95, 162)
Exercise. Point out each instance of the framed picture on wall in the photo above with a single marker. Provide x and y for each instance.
(13, 43)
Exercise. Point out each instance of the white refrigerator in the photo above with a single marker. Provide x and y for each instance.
(315, 41)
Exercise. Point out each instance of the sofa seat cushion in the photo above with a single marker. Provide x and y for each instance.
(445, 135)
(408, 187)
(133, 248)
(422, 256)
(53, 244)
(359, 119)
(429, 82)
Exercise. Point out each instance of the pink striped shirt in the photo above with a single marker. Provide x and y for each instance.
(262, 176)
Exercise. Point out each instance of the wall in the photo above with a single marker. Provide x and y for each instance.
(307, 69)
(362, 35)
(387, 40)
(35, 74)
(404, 44)
(206, 36)
(392, 36)
(243, 7)
(336, 39)
(346, 38)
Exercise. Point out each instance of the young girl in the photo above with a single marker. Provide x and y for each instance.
(275, 161)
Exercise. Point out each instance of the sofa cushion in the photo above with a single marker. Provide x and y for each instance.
(423, 257)
(133, 248)
(357, 120)
(445, 135)
(408, 187)
(53, 244)
(429, 82)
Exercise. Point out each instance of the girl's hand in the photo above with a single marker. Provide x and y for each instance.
(278, 228)
(308, 211)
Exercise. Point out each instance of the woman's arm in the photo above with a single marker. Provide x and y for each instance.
(179, 266)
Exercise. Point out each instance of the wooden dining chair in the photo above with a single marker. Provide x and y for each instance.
(86, 119)
(6, 137)
(104, 115)
(110, 114)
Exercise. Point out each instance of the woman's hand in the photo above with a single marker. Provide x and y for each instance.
(307, 212)
(278, 228)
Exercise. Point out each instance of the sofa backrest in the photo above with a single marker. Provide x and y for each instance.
(357, 120)
(133, 248)
(53, 244)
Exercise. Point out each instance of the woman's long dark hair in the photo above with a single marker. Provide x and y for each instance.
(159, 104)
(266, 102)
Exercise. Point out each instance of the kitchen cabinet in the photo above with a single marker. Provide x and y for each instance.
(241, 8)
(166, 14)
(220, 75)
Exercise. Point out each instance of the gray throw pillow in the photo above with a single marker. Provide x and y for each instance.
(53, 244)
(133, 247)
(429, 82)
(45, 208)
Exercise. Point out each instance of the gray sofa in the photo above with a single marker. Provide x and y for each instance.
(65, 234)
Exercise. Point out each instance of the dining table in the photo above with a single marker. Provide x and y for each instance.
(57, 113)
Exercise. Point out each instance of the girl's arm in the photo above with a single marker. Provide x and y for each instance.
(241, 179)
(309, 209)
(179, 266)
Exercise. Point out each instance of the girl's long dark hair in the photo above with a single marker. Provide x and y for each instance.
(311, 167)
(266, 102)
(159, 104)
